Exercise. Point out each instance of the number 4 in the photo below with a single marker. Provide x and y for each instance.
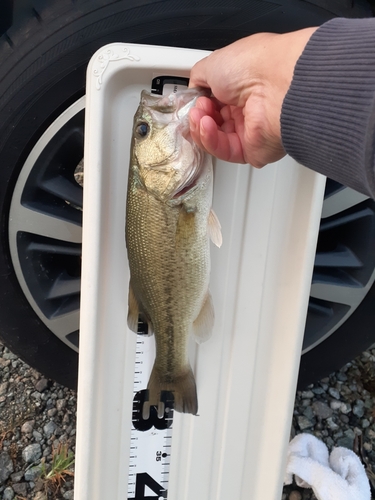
(143, 480)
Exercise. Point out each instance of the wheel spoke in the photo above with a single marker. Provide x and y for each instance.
(321, 309)
(64, 189)
(346, 219)
(64, 286)
(341, 200)
(42, 224)
(338, 293)
(60, 249)
(64, 325)
(339, 258)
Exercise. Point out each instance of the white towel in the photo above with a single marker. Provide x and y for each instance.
(339, 476)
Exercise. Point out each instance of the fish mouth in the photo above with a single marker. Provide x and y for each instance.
(186, 187)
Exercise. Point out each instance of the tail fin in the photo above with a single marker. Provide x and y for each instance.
(182, 386)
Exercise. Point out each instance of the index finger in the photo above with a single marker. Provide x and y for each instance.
(198, 74)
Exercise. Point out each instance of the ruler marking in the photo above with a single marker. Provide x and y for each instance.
(147, 466)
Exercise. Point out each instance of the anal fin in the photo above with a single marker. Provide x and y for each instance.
(135, 314)
(203, 325)
(133, 311)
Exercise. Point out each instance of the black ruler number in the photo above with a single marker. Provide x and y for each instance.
(143, 480)
(142, 424)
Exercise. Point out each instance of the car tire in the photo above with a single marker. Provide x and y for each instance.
(43, 57)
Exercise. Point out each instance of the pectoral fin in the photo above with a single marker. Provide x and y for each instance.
(214, 229)
(202, 326)
(135, 313)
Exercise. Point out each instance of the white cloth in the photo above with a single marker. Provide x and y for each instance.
(338, 476)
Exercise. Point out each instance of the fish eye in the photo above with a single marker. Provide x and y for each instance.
(142, 129)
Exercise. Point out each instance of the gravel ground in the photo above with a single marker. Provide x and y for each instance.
(340, 410)
(37, 426)
(38, 416)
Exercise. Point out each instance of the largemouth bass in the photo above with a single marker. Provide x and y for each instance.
(169, 221)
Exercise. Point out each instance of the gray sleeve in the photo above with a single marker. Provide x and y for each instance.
(328, 114)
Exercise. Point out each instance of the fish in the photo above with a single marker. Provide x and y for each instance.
(169, 222)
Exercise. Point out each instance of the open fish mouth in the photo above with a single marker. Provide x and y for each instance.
(185, 188)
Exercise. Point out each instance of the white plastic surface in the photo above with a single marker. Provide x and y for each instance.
(246, 373)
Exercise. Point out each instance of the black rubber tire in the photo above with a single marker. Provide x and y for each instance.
(42, 71)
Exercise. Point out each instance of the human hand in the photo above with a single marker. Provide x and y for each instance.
(249, 80)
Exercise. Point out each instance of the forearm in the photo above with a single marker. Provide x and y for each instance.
(328, 114)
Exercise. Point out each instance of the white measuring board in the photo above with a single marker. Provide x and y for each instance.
(260, 280)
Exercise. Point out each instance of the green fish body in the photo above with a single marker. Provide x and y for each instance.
(169, 222)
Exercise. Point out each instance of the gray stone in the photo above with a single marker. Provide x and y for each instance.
(20, 489)
(32, 453)
(308, 412)
(345, 408)
(367, 446)
(4, 362)
(331, 424)
(41, 385)
(60, 404)
(304, 422)
(3, 388)
(33, 473)
(318, 390)
(358, 410)
(369, 403)
(329, 442)
(365, 423)
(50, 428)
(334, 393)
(335, 405)
(344, 419)
(350, 433)
(36, 395)
(9, 355)
(6, 466)
(345, 390)
(69, 495)
(17, 476)
(27, 427)
(37, 436)
(307, 394)
(345, 442)
(8, 493)
(321, 410)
